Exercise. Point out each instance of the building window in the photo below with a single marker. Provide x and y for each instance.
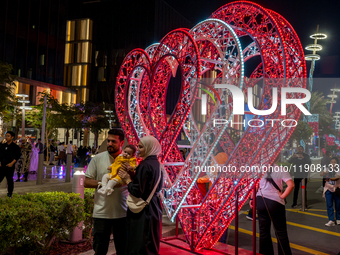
(42, 60)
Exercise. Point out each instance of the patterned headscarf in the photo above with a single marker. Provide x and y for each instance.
(151, 145)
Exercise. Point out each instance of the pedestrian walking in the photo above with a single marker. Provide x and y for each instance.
(69, 150)
(61, 154)
(52, 152)
(9, 155)
(299, 161)
(40, 146)
(332, 177)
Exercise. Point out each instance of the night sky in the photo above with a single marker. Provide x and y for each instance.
(304, 16)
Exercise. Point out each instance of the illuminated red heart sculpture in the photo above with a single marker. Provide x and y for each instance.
(212, 46)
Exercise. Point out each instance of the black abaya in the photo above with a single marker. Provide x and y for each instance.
(144, 228)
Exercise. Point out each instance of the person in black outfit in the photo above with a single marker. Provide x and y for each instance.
(299, 161)
(143, 228)
(40, 146)
(9, 155)
(82, 156)
(52, 152)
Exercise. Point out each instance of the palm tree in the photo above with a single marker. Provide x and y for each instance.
(318, 105)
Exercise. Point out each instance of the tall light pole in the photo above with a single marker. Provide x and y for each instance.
(313, 57)
(23, 107)
(332, 101)
(1, 123)
(41, 155)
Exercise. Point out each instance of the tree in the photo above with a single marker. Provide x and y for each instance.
(54, 117)
(7, 96)
(318, 105)
(302, 132)
(69, 118)
(93, 118)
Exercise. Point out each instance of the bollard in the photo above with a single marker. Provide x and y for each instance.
(78, 188)
(40, 169)
(303, 196)
(68, 167)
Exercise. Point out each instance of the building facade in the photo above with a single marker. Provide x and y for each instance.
(115, 28)
(74, 48)
(32, 40)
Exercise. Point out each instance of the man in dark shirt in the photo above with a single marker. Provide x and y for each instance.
(40, 146)
(9, 155)
(299, 161)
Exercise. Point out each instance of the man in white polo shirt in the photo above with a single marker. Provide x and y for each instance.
(109, 213)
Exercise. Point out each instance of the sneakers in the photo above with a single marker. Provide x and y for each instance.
(294, 205)
(338, 222)
(249, 217)
(9, 195)
(330, 224)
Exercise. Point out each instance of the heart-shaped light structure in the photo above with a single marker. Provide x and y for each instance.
(212, 49)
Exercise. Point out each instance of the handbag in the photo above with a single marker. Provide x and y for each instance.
(137, 204)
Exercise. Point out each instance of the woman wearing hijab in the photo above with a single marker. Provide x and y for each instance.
(143, 228)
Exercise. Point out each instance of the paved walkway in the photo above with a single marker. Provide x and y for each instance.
(53, 180)
(168, 229)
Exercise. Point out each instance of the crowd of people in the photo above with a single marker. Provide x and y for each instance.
(24, 157)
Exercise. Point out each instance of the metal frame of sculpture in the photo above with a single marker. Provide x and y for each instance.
(212, 45)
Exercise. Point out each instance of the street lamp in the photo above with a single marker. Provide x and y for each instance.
(314, 57)
(109, 115)
(1, 123)
(336, 119)
(23, 107)
(332, 96)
